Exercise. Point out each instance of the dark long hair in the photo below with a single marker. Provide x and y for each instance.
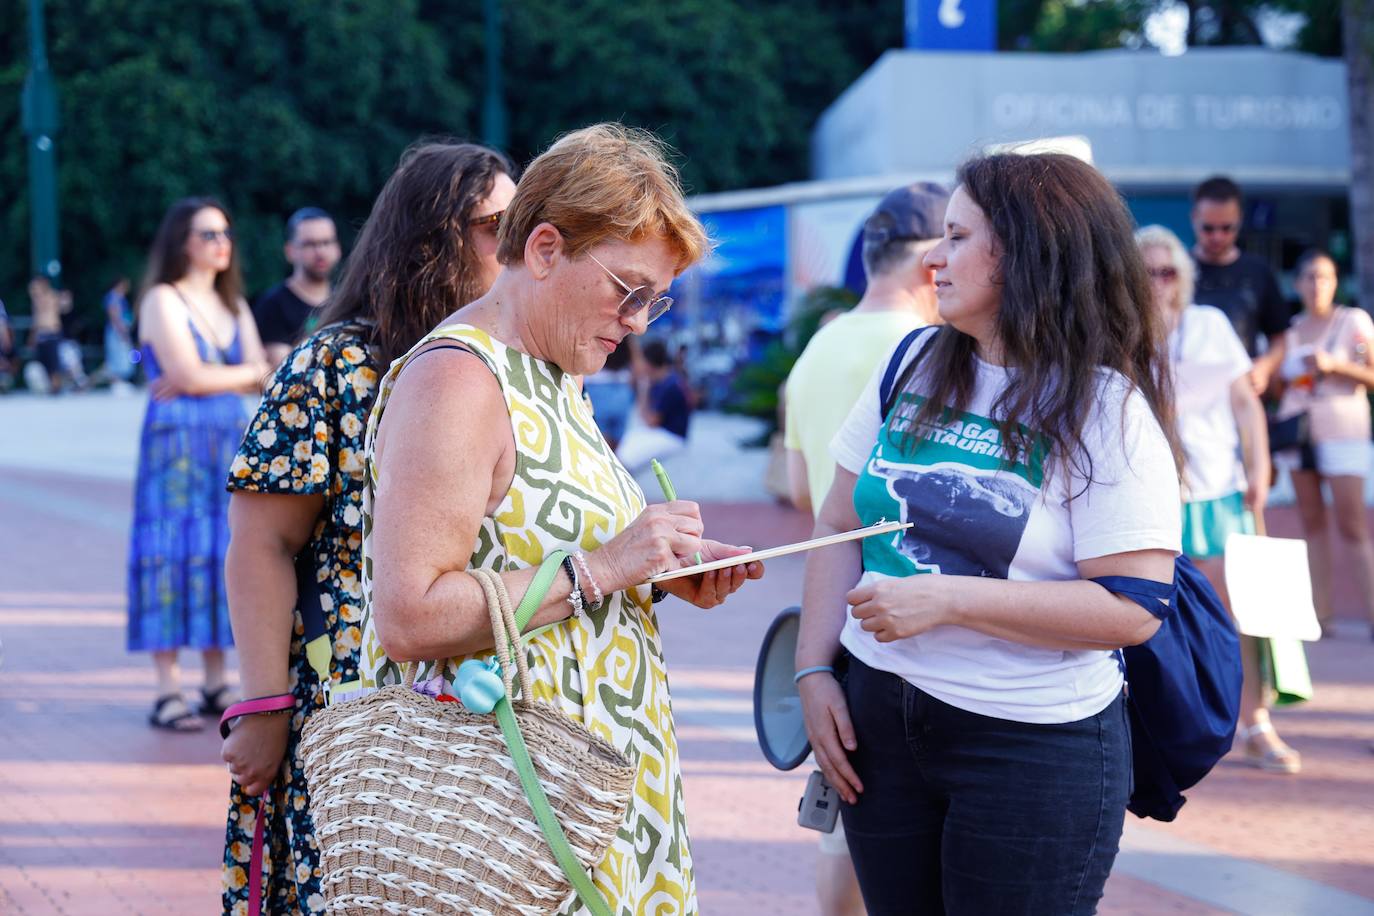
(413, 262)
(1075, 300)
(167, 258)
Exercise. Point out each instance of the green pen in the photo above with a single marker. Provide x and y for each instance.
(667, 486)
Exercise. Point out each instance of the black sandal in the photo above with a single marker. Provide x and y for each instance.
(184, 721)
(215, 702)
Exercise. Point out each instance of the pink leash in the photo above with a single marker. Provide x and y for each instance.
(278, 703)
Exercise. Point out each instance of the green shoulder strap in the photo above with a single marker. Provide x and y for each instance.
(591, 897)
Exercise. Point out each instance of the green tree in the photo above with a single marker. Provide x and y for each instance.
(272, 104)
(268, 105)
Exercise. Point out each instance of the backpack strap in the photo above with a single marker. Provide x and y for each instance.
(894, 366)
(1159, 598)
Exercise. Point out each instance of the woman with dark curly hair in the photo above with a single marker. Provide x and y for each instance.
(980, 743)
(428, 248)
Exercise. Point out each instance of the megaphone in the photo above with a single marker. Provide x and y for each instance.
(778, 717)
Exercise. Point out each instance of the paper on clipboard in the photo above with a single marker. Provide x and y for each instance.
(784, 550)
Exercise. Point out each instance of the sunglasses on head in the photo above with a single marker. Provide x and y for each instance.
(211, 235)
(638, 297)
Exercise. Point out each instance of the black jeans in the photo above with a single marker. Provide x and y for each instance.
(970, 815)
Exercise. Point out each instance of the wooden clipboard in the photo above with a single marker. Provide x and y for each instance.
(773, 552)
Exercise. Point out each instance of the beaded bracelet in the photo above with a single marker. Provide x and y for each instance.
(596, 589)
(575, 597)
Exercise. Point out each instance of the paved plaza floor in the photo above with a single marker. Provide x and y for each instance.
(100, 814)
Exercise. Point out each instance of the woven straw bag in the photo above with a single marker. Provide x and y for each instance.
(419, 806)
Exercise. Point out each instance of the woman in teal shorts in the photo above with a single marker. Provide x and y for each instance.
(1221, 425)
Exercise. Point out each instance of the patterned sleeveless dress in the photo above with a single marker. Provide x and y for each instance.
(604, 669)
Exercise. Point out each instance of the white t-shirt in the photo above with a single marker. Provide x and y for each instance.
(1207, 357)
(973, 516)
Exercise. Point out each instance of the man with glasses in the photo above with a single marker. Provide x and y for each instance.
(1238, 283)
(287, 312)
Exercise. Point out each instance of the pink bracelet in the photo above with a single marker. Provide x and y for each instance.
(280, 702)
(587, 571)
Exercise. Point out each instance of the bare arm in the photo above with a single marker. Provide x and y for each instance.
(1075, 614)
(1359, 373)
(798, 481)
(266, 532)
(830, 573)
(164, 325)
(437, 482)
(1253, 426)
(112, 312)
(1267, 364)
(253, 351)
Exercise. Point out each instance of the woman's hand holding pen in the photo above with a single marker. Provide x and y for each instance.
(655, 542)
(663, 538)
(894, 609)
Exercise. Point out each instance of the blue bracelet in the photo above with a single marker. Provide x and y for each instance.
(814, 669)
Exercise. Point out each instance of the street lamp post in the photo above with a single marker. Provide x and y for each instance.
(40, 122)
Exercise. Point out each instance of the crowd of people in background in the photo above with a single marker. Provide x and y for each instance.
(456, 256)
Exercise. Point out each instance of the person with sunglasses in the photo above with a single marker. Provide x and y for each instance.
(483, 453)
(296, 509)
(1238, 283)
(200, 352)
(1222, 427)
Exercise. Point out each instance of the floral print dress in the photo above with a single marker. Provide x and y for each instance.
(306, 438)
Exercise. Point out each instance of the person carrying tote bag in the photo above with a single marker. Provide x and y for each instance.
(483, 454)
(440, 806)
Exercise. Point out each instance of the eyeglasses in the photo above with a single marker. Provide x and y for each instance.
(1215, 228)
(212, 235)
(317, 244)
(639, 297)
(1163, 273)
(491, 219)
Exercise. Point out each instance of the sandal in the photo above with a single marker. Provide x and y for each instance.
(215, 702)
(1280, 759)
(165, 715)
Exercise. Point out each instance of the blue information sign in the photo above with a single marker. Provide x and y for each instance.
(951, 25)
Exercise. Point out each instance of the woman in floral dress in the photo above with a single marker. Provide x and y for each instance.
(428, 247)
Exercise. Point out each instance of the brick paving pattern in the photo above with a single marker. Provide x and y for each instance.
(101, 814)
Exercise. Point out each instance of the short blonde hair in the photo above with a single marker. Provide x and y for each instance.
(603, 182)
(1160, 237)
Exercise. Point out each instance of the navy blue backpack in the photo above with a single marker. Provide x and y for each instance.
(1182, 685)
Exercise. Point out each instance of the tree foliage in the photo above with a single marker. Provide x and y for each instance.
(274, 104)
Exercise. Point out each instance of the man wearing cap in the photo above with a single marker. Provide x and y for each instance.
(828, 379)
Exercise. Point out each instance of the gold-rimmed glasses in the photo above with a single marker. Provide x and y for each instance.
(637, 297)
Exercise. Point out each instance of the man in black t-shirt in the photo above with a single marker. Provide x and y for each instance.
(1240, 284)
(288, 311)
